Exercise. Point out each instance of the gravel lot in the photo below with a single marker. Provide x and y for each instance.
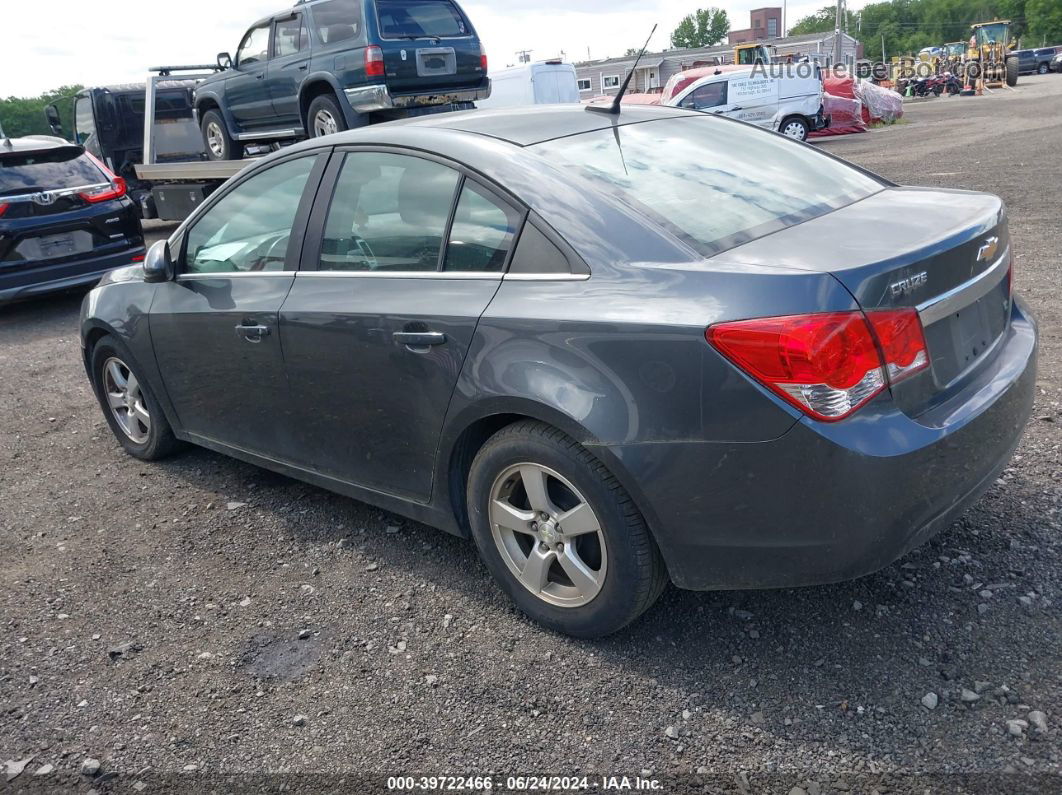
(152, 614)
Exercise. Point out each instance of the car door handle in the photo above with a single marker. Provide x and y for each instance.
(253, 333)
(260, 76)
(420, 339)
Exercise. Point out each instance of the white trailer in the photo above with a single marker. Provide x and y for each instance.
(541, 83)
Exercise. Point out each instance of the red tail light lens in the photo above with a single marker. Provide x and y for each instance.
(3, 208)
(827, 365)
(483, 57)
(374, 61)
(116, 190)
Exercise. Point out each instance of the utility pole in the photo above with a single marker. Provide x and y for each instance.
(838, 52)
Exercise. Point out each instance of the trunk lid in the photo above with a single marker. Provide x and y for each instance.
(428, 46)
(943, 252)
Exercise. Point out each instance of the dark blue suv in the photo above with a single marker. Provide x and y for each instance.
(329, 65)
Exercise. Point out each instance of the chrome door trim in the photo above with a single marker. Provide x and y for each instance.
(964, 294)
(232, 275)
(547, 277)
(454, 275)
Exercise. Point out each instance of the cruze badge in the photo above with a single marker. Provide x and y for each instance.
(908, 285)
(987, 252)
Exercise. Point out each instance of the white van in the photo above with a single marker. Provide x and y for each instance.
(541, 83)
(782, 97)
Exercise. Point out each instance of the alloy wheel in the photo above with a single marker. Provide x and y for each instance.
(548, 535)
(215, 140)
(125, 400)
(324, 123)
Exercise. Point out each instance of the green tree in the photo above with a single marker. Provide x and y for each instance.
(823, 21)
(1044, 20)
(703, 28)
(25, 115)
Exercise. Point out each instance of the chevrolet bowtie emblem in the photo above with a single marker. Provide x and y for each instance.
(987, 252)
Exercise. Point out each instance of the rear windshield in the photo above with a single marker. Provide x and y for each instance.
(52, 169)
(712, 182)
(418, 18)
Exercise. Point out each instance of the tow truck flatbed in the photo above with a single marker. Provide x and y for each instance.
(204, 170)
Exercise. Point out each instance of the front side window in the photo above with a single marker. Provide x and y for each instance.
(388, 213)
(710, 181)
(402, 19)
(84, 120)
(248, 230)
(482, 233)
(290, 37)
(336, 21)
(705, 97)
(255, 46)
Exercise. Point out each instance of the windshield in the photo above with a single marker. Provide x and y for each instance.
(992, 34)
(420, 18)
(51, 169)
(712, 182)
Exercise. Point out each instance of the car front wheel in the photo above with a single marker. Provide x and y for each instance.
(219, 144)
(128, 404)
(795, 127)
(560, 534)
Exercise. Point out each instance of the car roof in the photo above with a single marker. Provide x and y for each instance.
(32, 143)
(537, 123)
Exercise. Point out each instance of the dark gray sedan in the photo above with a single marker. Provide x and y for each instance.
(614, 350)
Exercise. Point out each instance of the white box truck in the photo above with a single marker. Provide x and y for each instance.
(541, 83)
(786, 98)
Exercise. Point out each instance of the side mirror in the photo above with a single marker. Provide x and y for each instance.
(51, 113)
(157, 265)
(224, 61)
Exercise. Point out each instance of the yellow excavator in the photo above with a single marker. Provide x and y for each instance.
(990, 47)
(752, 53)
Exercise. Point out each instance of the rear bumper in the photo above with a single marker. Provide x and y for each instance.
(62, 276)
(365, 99)
(826, 503)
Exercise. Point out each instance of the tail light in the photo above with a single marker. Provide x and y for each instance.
(827, 365)
(3, 208)
(374, 61)
(483, 57)
(115, 190)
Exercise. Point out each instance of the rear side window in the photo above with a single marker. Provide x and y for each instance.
(710, 181)
(388, 213)
(482, 233)
(337, 20)
(52, 169)
(290, 37)
(400, 19)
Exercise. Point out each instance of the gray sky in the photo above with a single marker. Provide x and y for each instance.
(48, 43)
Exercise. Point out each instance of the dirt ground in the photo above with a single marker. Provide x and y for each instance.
(152, 613)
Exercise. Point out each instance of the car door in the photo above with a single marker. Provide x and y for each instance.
(246, 91)
(287, 68)
(403, 256)
(214, 327)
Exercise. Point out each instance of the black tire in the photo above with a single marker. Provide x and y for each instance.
(218, 143)
(324, 106)
(938, 90)
(635, 575)
(160, 441)
(798, 124)
(1042, 69)
(1012, 72)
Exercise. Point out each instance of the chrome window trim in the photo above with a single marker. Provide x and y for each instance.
(232, 275)
(458, 275)
(547, 277)
(962, 295)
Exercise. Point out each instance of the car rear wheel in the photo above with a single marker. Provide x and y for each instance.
(1042, 69)
(560, 534)
(795, 127)
(219, 144)
(324, 117)
(128, 404)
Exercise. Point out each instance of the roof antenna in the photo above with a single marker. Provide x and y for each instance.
(614, 108)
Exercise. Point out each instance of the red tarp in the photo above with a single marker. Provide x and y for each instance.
(842, 106)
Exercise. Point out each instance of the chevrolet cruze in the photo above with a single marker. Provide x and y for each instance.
(614, 350)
